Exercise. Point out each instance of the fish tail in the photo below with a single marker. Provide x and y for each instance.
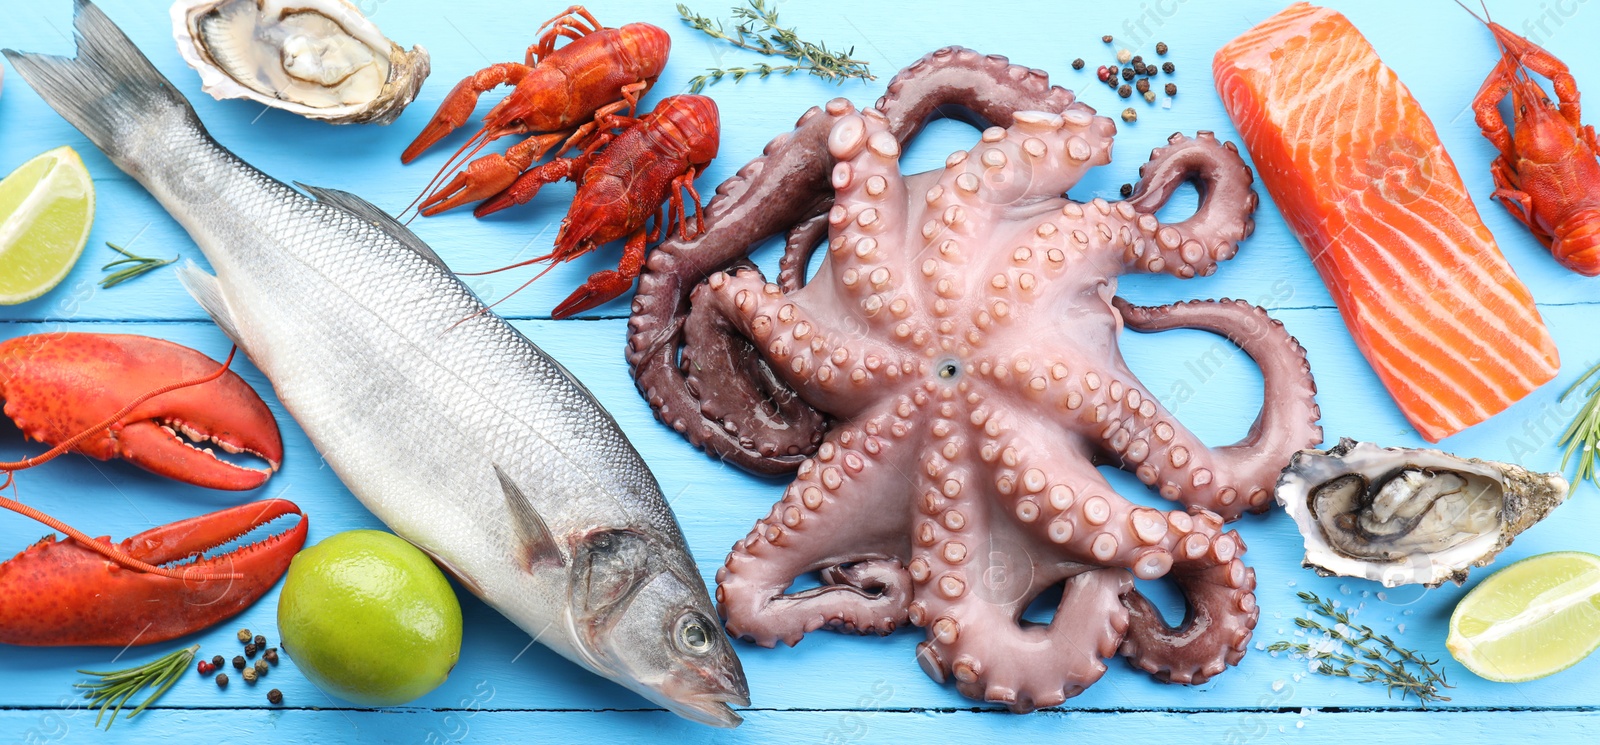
(110, 90)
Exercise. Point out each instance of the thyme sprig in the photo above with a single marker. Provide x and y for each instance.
(139, 265)
(1371, 657)
(118, 686)
(1583, 435)
(758, 31)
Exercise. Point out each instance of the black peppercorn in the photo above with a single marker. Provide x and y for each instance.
(1127, 73)
(1127, 190)
(238, 662)
(1137, 60)
(1125, 90)
(271, 655)
(1143, 86)
(1172, 89)
(1077, 64)
(1168, 67)
(1106, 38)
(1161, 48)
(261, 642)
(251, 649)
(222, 680)
(217, 662)
(274, 697)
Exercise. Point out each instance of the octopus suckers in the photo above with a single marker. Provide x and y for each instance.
(994, 134)
(876, 185)
(884, 145)
(994, 158)
(952, 586)
(842, 174)
(1104, 547)
(955, 552)
(1096, 510)
(953, 519)
(1060, 531)
(1060, 497)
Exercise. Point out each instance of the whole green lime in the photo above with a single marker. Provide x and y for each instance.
(367, 617)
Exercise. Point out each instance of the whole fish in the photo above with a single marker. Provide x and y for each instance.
(446, 422)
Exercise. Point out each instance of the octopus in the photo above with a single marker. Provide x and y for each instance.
(946, 385)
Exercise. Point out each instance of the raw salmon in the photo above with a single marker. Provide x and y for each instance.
(1358, 172)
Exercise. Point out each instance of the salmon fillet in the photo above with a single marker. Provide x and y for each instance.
(1360, 176)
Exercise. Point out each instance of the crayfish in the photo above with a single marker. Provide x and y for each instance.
(561, 95)
(138, 398)
(1546, 173)
(653, 160)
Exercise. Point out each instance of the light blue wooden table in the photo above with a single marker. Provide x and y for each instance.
(830, 688)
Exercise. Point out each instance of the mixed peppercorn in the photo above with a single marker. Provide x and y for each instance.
(251, 673)
(1132, 75)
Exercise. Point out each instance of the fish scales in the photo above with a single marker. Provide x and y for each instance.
(445, 421)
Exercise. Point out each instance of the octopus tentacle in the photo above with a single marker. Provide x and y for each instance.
(1220, 617)
(1226, 480)
(830, 516)
(801, 242)
(724, 372)
(993, 656)
(806, 348)
(1067, 505)
(1222, 219)
(780, 189)
(975, 632)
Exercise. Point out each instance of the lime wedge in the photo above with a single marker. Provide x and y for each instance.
(46, 208)
(1538, 616)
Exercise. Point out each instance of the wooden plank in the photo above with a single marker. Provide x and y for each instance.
(875, 722)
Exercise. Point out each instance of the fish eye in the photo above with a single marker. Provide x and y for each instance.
(694, 634)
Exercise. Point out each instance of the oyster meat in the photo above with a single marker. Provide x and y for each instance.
(1409, 516)
(320, 59)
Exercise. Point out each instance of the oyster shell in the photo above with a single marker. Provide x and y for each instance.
(320, 59)
(1408, 516)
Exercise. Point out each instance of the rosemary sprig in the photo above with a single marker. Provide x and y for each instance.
(758, 31)
(1372, 657)
(1583, 435)
(140, 265)
(118, 686)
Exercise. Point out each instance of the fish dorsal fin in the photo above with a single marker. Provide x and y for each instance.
(205, 290)
(371, 213)
(538, 545)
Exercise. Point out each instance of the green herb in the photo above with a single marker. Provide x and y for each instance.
(1583, 435)
(138, 265)
(119, 686)
(758, 31)
(1365, 655)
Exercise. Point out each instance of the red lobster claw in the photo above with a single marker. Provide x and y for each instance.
(56, 386)
(58, 593)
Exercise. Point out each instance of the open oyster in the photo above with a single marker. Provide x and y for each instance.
(320, 59)
(1403, 516)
